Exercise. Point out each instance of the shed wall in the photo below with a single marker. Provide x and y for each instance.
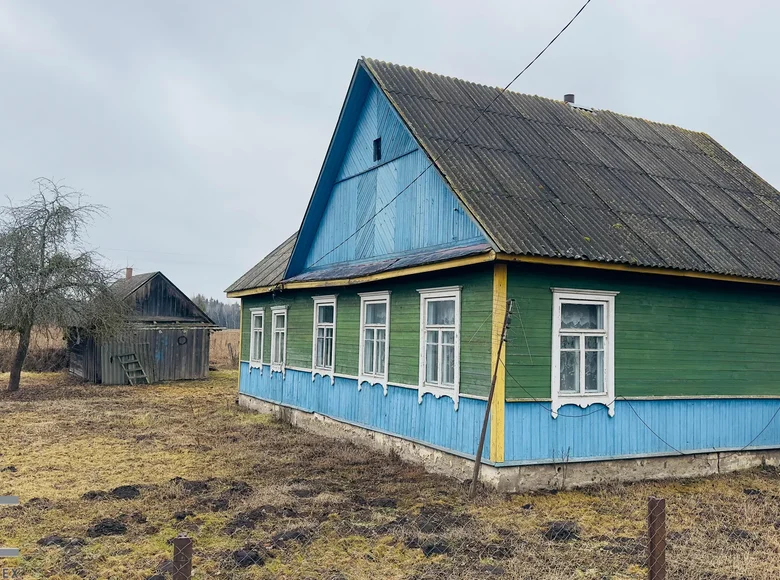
(160, 353)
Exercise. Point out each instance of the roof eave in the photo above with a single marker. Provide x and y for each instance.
(613, 266)
(401, 272)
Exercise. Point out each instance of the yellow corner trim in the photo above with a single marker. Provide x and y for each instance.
(634, 269)
(456, 263)
(498, 404)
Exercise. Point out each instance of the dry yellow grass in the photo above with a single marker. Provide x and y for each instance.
(357, 514)
(224, 349)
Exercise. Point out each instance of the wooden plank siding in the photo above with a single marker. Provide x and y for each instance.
(363, 196)
(673, 336)
(476, 320)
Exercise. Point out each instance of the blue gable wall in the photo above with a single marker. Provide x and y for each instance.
(426, 215)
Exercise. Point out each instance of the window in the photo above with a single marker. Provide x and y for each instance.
(378, 149)
(279, 338)
(583, 348)
(374, 338)
(440, 342)
(256, 337)
(324, 342)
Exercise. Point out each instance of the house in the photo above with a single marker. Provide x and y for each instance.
(642, 261)
(166, 337)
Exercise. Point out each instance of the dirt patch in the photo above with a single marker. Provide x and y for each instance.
(126, 492)
(247, 519)
(251, 555)
(191, 487)
(61, 541)
(106, 527)
(294, 535)
(562, 531)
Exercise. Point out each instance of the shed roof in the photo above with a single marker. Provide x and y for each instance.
(126, 286)
(155, 299)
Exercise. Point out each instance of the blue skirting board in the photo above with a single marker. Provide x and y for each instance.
(433, 422)
(640, 428)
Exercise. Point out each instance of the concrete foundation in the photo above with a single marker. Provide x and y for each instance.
(522, 478)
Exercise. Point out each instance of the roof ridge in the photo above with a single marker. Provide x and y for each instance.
(593, 109)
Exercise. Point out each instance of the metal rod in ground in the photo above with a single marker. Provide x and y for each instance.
(182, 558)
(481, 446)
(656, 533)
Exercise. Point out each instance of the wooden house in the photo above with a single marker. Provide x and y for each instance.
(166, 337)
(642, 259)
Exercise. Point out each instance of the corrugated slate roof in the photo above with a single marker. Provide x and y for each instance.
(544, 178)
(267, 271)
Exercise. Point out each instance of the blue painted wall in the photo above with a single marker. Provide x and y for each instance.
(434, 421)
(701, 425)
(532, 435)
(426, 215)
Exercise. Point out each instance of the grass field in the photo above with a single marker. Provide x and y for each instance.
(224, 348)
(265, 500)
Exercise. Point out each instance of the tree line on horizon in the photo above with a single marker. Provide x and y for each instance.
(222, 313)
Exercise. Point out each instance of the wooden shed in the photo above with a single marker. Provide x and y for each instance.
(166, 337)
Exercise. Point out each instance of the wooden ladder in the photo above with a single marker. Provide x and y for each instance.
(134, 371)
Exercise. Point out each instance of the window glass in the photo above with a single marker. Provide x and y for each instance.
(325, 313)
(570, 364)
(582, 316)
(368, 352)
(323, 336)
(441, 312)
(374, 329)
(257, 337)
(376, 313)
(432, 356)
(380, 352)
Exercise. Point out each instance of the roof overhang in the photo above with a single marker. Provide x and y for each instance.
(492, 256)
(481, 258)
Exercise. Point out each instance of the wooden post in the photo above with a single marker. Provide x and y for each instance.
(656, 532)
(481, 446)
(182, 558)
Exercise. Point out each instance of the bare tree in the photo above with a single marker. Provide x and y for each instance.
(47, 277)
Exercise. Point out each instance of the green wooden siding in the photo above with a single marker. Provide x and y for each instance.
(476, 308)
(673, 336)
(300, 313)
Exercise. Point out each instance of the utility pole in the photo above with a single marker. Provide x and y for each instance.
(481, 446)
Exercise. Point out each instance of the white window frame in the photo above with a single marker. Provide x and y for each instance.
(438, 390)
(275, 312)
(254, 312)
(318, 370)
(583, 399)
(367, 298)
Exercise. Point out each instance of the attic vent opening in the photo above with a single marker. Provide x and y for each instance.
(377, 149)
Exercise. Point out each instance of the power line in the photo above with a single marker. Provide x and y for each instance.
(762, 430)
(481, 113)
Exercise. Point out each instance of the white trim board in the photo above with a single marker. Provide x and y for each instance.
(367, 298)
(325, 370)
(581, 397)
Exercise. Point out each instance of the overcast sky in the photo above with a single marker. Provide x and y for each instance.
(202, 125)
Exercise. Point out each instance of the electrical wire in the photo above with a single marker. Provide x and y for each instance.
(762, 430)
(434, 161)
